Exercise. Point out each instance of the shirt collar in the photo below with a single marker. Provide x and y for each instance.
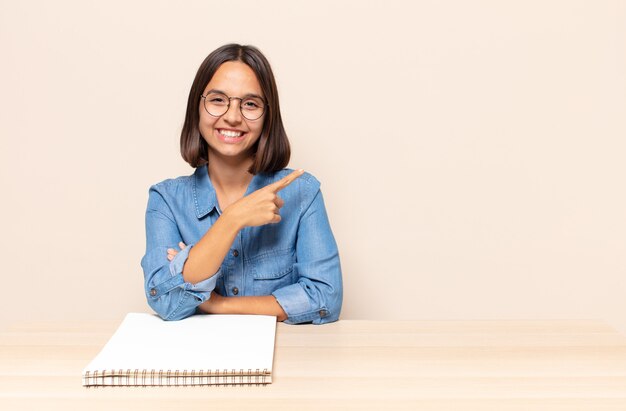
(204, 195)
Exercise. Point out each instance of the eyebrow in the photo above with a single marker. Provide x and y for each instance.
(244, 96)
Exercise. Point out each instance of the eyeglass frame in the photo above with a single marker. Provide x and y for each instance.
(241, 99)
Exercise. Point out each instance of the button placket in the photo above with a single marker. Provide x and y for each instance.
(236, 266)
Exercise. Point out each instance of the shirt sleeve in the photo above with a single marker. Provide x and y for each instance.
(167, 292)
(317, 295)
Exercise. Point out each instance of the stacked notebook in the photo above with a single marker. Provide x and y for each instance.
(199, 350)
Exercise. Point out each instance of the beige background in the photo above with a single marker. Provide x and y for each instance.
(471, 153)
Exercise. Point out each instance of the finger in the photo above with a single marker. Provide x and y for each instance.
(279, 202)
(285, 181)
(181, 245)
(170, 257)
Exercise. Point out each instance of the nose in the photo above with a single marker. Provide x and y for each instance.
(233, 114)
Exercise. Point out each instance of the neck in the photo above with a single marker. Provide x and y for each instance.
(227, 174)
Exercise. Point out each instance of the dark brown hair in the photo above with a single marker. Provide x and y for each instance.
(272, 151)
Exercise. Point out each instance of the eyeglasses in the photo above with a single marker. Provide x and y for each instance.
(217, 104)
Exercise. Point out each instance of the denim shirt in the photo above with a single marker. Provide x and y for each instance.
(295, 260)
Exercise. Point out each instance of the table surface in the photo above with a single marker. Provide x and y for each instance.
(350, 364)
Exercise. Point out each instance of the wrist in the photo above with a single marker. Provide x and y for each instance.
(214, 305)
(231, 220)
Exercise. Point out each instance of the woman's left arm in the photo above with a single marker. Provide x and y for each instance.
(318, 294)
(217, 304)
(259, 305)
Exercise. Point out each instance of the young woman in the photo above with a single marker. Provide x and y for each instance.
(242, 234)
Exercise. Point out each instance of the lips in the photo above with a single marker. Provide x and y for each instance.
(230, 136)
(230, 133)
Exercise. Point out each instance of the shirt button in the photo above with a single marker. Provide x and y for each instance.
(235, 290)
(153, 292)
(323, 313)
(235, 253)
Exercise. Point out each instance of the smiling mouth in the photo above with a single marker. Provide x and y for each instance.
(230, 133)
(230, 136)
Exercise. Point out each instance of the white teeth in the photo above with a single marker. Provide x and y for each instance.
(229, 133)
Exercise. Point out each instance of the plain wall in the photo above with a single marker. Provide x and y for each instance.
(471, 153)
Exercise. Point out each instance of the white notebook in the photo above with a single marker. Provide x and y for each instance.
(199, 350)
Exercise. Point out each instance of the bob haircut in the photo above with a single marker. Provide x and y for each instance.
(271, 151)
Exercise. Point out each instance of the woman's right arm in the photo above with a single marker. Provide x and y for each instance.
(259, 208)
(175, 288)
(167, 291)
(206, 257)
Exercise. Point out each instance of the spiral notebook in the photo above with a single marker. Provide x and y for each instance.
(199, 350)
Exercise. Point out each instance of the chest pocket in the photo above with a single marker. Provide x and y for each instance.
(272, 271)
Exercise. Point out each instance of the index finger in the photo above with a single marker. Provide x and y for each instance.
(285, 181)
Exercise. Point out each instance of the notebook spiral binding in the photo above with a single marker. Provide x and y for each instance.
(145, 378)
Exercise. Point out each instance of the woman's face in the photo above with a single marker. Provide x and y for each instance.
(231, 135)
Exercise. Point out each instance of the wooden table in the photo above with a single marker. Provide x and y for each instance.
(377, 365)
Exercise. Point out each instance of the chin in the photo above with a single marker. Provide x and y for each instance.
(230, 152)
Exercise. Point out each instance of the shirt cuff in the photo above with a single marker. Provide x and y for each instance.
(202, 289)
(297, 305)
